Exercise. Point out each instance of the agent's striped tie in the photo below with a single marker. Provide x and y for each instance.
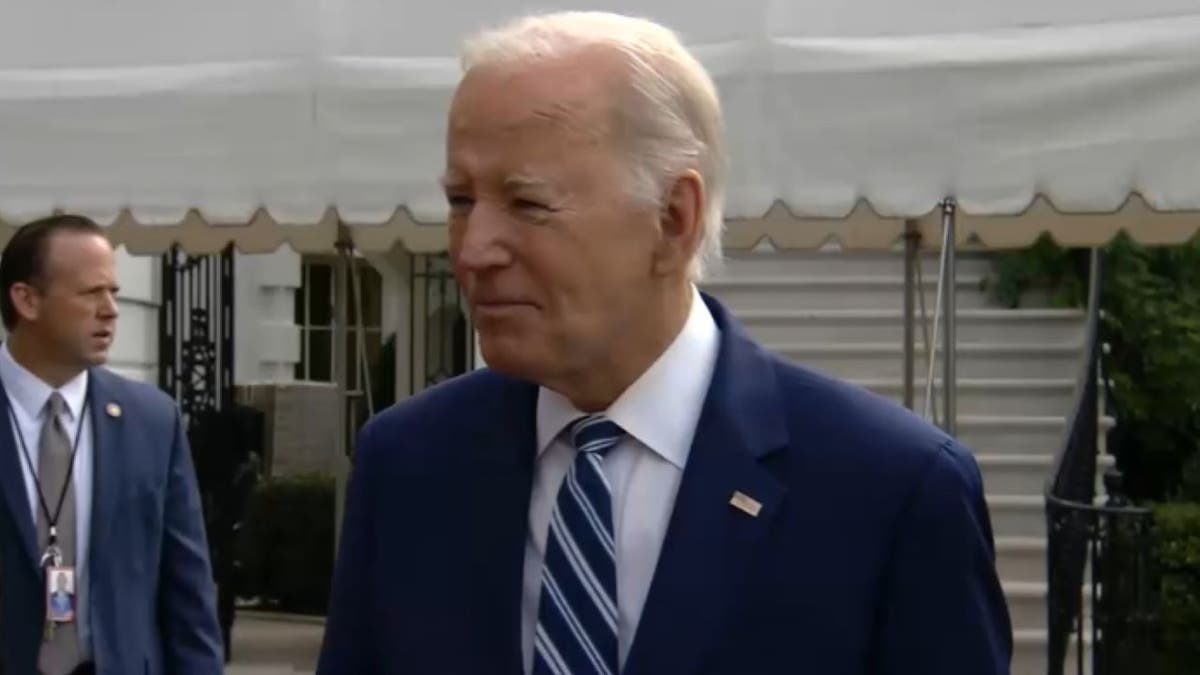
(577, 616)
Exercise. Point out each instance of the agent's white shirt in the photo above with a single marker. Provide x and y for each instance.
(27, 397)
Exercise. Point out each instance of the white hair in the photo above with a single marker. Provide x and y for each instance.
(671, 116)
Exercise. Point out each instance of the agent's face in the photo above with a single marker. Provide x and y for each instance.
(554, 256)
(72, 310)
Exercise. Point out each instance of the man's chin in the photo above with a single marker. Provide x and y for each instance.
(97, 358)
(510, 356)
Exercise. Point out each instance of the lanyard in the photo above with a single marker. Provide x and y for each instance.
(52, 518)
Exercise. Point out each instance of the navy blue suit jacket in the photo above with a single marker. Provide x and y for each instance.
(872, 553)
(152, 600)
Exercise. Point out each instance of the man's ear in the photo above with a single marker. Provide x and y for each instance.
(681, 224)
(26, 300)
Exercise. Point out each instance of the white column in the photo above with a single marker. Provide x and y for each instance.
(395, 268)
(134, 352)
(266, 337)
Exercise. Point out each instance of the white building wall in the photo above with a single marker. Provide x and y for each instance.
(266, 338)
(394, 268)
(134, 353)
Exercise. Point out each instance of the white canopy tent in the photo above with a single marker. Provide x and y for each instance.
(273, 121)
(277, 121)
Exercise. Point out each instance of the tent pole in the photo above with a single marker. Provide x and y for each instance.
(912, 236)
(344, 245)
(950, 326)
(361, 366)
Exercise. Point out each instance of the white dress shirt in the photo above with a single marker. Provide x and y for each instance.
(27, 397)
(659, 413)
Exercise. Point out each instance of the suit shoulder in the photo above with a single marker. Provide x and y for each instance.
(447, 410)
(146, 397)
(861, 427)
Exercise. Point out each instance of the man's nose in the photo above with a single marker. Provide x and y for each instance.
(480, 241)
(108, 306)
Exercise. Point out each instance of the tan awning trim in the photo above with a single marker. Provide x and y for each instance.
(861, 229)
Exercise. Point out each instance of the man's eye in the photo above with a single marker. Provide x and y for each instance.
(530, 205)
(459, 201)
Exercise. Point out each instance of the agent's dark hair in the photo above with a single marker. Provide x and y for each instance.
(24, 258)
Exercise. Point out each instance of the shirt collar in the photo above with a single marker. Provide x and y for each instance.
(31, 393)
(661, 408)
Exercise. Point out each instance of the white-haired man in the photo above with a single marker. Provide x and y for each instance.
(634, 486)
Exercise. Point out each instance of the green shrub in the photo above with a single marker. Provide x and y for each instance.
(1177, 559)
(1062, 273)
(1151, 300)
(1152, 303)
(286, 544)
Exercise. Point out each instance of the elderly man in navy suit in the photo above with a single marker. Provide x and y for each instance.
(633, 485)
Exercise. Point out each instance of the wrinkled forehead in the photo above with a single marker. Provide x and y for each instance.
(551, 106)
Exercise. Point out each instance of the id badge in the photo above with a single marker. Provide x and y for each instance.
(60, 594)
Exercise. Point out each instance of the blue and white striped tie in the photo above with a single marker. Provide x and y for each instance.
(577, 615)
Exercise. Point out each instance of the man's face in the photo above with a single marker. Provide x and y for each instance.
(75, 303)
(555, 258)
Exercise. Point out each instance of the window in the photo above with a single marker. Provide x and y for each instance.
(316, 310)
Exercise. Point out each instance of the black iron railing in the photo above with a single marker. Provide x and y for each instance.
(438, 324)
(195, 331)
(196, 349)
(1100, 603)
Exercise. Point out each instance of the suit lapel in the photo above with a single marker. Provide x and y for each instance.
(107, 432)
(505, 459)
(12, 484)
(709, 540)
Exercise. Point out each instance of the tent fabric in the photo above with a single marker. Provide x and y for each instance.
(270, 122)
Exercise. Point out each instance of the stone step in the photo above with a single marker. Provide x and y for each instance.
(1053, 326)
(792, 292)
(1030, 651)
(1009, 434)
(1021, 558)
(1026, 604)
(978, 360)
(1023, 474)
(1017, 515)
(1017, 434)
(985, 396)
(1014, 474)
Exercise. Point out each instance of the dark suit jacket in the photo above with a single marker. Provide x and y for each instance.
(151, 591)
(872, 553)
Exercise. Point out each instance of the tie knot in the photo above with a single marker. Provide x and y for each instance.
(595, 433)
(56, 405)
